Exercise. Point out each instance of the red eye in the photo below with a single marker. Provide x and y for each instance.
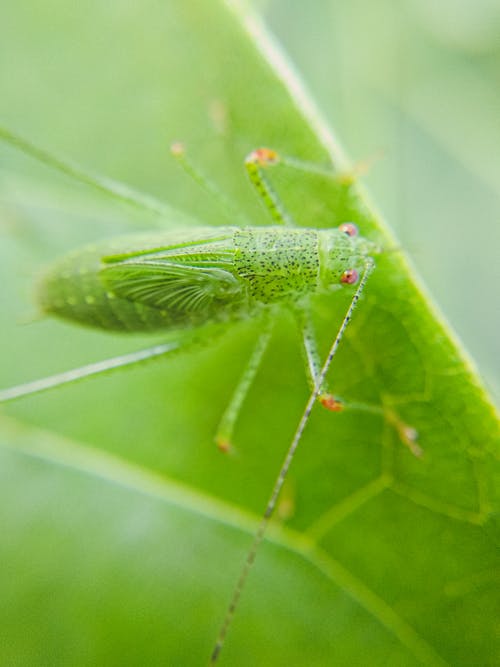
(349, 228)
(349, 277)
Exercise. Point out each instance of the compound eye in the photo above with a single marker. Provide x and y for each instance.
(349, 228)
(349, 277)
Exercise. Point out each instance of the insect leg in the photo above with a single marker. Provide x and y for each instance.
(105, 185)
(255, 163)
(232, 212)
(225, 429)
(407, 434)
(313, 361)
(283, 472)
(345, 176)
(97, 368)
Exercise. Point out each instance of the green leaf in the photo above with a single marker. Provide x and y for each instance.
(123, 528)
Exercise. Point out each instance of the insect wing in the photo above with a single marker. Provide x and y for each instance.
(178, 287)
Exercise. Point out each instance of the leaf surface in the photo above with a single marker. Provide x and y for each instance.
(123, 527)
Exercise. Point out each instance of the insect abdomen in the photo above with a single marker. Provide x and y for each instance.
(72, 289)
(112, 285)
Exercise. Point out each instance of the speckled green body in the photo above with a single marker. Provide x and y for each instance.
(187, 278)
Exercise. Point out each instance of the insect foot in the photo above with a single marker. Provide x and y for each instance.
(262, 157)
(407, 434)
(223, 444)
(330, 402)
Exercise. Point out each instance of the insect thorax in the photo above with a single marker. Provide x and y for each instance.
(282, 264)
(277, 263)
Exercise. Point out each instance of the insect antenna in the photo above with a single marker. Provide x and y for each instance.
(107, 186)
(285, 466)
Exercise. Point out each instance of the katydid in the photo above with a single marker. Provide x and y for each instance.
(190, 280)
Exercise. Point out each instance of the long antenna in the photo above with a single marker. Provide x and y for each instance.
(280, 479)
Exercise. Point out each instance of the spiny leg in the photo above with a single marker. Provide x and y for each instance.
(407, 434)
(312, 358)
(283, 472)
(224, 434)
(255, 164)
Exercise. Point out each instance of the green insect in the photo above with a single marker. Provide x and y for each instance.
(197, 281)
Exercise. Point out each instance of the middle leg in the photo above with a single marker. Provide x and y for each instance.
(224, 434)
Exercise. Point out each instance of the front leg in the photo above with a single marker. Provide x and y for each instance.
(406, 433)
(312, 359)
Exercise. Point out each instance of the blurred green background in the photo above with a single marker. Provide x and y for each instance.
(414, 84)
